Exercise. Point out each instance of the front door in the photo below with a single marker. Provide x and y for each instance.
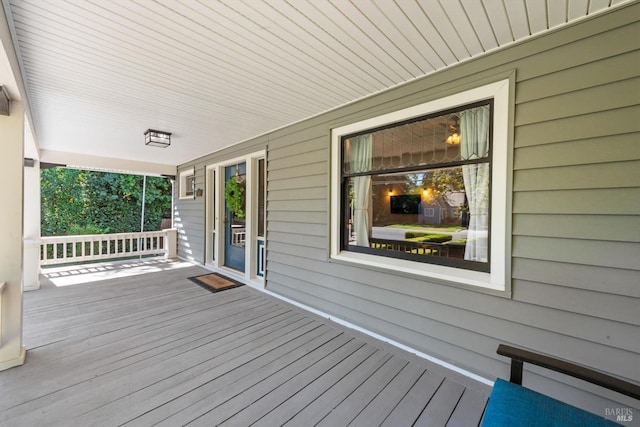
(235, 212)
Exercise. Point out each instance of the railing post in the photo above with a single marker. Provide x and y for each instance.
(170, 243)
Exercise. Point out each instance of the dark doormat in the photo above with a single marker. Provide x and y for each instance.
(214, 282)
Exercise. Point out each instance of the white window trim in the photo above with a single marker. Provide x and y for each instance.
(212, 201)
(183, 183)
(497, 278)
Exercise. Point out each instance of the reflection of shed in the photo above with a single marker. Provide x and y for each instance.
(445, 209)
(430, 212)
(455, 203)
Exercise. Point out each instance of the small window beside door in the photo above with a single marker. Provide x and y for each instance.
(187, 184)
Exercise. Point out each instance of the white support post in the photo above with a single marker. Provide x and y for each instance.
(171, 243)
(12, 352)
(31, 222)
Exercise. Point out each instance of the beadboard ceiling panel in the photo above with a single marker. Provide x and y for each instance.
(217, 72)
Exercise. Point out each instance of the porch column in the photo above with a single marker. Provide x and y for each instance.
(12, 352)
(171, 242)
(31, 225)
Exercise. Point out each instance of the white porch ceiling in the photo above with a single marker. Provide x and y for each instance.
(100, 72)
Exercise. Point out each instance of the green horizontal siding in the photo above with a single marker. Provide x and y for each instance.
(598, 124)
(603, 149)
(623, 174)
(601, 201)
(590, 227)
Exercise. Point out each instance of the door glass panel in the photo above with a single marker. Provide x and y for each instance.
(235, 215)
(212, 210)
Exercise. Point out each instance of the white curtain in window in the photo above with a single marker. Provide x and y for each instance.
(474, 144)
(360, 159)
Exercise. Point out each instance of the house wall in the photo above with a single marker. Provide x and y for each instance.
(575, 241)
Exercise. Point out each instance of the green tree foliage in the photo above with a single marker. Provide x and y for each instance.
(440, 181)
(86, 202)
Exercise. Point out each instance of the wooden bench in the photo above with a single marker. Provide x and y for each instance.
(510, 404)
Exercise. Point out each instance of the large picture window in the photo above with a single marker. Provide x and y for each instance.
(419, 190)
(424, 190)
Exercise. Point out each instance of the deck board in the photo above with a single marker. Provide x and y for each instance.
(155, 349)
(349, 408)
(441, 406)
(413, 403)
(382, 405)
(469, 410)
(200, 400)
(319, 408)
(247, 407)
(308, 394)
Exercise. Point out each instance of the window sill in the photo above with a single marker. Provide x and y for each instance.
(473, 280)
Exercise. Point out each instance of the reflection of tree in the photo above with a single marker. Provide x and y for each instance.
(439, 182)
(445, 181)
(415, 180)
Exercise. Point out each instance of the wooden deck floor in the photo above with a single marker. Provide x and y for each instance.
(155, 349)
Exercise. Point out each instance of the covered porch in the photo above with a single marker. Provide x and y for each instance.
(81, 81)
(151, 348)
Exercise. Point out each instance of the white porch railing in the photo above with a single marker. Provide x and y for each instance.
(70, 249)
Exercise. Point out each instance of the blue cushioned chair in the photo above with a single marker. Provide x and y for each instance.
(512, 405)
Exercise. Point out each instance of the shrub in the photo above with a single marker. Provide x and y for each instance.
(429, 238)
(413, 234)
(79, 230)
(457, 242)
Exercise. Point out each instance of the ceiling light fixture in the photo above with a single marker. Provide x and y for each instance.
(157, 138)
(453, 139)
(454, 130)
(239, 178)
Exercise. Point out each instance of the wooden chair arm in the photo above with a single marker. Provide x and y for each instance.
(519, 356)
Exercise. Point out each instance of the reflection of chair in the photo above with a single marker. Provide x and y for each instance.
(238, 236)
(419, 248)
(510, 404)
